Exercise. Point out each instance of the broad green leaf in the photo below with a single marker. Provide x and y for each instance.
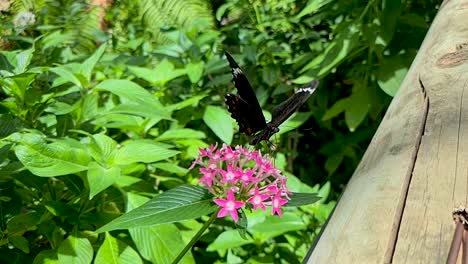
(56, 38)
(86, 68)
(135, 110)
(178, 204)
(130, 92)
(293, 122)
(115, 251)
(102, 148)
(46, 257)
(19, 59)
(59, 208)
(59, 108)
(142, 151)
(391, 10)
(193, 145)
(182, 133)
(20, 243)
(358, 108)
(49, 160)
(195, 71)
(160, 75)
(99, 178)
(335, 53)
(391, 74)
(391, 85)
(333, 162)
(312, 7)
(188, 102)
(300, 199)
(220, 122)
(295, 185)
(171, 167)
(75, 250)
(68, 76)
(270, 75)
(274, 226)
(17, 85)
(222, 9)
(21, 223)
(339, 107)
(229, 239)
(166, 243)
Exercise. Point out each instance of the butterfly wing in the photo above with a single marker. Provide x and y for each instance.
(244, 107)
(280, 113)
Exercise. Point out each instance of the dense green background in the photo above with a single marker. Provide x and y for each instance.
(103, 109)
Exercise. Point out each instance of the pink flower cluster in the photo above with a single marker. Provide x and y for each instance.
(239, 177)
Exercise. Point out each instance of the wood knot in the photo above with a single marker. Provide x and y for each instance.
(452, 59)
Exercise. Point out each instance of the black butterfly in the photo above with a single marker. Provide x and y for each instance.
(245, 109)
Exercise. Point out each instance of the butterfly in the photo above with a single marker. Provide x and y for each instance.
(245, 108)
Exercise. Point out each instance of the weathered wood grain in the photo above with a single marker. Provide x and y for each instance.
(397, 206)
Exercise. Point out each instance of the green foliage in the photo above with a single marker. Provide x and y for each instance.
(96, 123)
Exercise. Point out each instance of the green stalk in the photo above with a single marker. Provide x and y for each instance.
(195, 238)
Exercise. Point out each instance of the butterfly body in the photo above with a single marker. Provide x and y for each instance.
(245, 108)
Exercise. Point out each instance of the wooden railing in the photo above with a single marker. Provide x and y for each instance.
(397, 207)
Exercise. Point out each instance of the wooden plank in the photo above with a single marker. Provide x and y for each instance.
(440, 178)
(366, 223)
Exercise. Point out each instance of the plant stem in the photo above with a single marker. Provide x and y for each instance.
(195, 238)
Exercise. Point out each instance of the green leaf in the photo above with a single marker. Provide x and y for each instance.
(132, 93)
(335, 53)
(195, 71)
(391, 74)
(299, 199)
(391, 10)
(339, 107)
(270, 75)
(99, 178)
(181, 203)
(75, 250)
(182, 133)
(46, 257)
(229, 239)
(19, 59)
(358, 107)
(86, 68)
(102, 148)
(293, 122)
(160, 75)
(274, 226)
(166, 243)
(115, 251)
(220, 122)
(192, 101)
(142, 151)
(59, 208)
(171, 167)
(333, 162)
(68, 75)
(49, 160)
(20, 243)
(312, 7)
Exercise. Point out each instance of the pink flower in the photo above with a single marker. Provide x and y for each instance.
(257, 199)
(229, 175)
(229, 155)
(208, 175)
(246, 176)
(276, 203)
(207, 152)
(229, 206)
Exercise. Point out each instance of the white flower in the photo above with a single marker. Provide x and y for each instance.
(24, 19)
